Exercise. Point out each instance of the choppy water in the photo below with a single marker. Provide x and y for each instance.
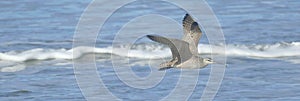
(262, 40)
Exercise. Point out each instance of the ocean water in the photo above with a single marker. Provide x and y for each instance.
(36, 51)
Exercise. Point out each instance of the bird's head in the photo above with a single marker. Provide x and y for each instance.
(208, 61)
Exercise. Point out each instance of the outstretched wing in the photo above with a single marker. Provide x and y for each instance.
(187, 23)
(180, 49)
(192, 33)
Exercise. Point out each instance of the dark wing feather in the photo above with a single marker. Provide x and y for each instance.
(192, 33)
(187, 23)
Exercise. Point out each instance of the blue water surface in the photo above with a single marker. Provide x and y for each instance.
(31, 24)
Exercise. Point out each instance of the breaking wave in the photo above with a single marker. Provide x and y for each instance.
(145, 51)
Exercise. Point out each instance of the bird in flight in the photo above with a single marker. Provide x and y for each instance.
(185, 51)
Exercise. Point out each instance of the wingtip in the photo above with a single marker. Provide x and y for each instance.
(150, 36)
(186, 16)
(164, 68)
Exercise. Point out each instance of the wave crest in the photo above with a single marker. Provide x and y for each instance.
(145, 51)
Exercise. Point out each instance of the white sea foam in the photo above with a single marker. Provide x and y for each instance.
(265, 51)
(146, 51)
(13, 68)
